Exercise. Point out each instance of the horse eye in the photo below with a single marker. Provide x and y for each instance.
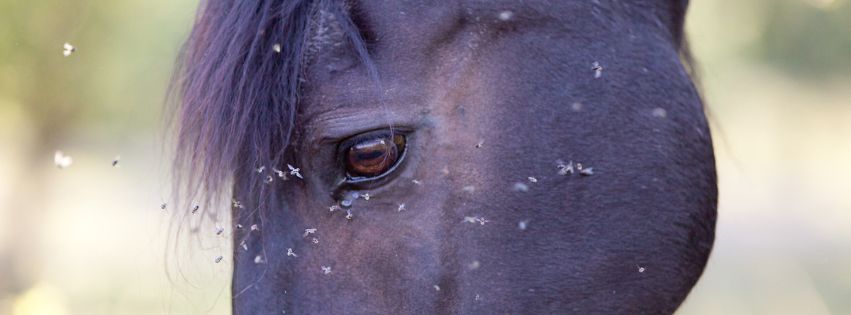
(372, 155)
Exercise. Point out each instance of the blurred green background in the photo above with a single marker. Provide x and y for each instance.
(90, 239)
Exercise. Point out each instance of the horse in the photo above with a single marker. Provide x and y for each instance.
(450, 157)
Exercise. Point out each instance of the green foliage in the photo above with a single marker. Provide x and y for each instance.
(811, 38)
(116, 78)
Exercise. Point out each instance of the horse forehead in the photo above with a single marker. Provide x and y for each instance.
(558, 9)
(498, 8)
(338, 89)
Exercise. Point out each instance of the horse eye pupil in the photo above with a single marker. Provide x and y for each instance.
(374, 156)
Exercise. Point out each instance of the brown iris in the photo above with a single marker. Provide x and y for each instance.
(374, 155)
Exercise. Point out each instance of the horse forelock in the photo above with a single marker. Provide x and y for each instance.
(235, 93)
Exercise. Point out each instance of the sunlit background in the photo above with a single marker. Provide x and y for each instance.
(90, 238)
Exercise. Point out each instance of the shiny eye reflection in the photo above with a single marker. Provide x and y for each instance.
(373, 155)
